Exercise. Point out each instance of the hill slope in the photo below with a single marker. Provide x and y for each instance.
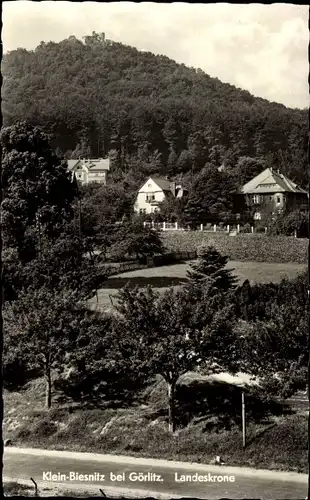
(96, 96)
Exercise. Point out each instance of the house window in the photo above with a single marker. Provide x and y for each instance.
(278, 199)
(142, 211)
(150, 197)
(256, 199)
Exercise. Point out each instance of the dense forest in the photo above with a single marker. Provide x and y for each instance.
(96, 97)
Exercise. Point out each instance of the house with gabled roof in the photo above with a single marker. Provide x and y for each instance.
(272, 192)
(90, 170)
(153, 192)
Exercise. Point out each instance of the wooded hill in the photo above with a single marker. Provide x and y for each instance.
(149, 113)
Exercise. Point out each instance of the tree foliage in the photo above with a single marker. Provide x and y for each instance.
(273, 332)
(132, 239)
(173, 333)
(156, 115)
(37, 190)
(49, 330)
(210, 268)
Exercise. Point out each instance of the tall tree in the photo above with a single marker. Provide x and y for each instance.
(166, 335)
(49, 330)
(37, 190)
(211, 196)
(273, 333)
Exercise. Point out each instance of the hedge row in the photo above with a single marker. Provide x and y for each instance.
(243, 247)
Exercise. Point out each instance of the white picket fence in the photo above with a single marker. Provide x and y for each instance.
(212, 228)
(164, 226)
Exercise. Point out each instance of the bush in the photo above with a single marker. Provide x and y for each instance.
(260, 229)
(288, 224)
(16, 374)
(246, 228)
(44, 428)
(243, 247)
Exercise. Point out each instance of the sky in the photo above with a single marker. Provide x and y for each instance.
(260, 48)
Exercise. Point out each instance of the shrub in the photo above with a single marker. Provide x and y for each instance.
(44, 428)
(246, 228)
(288, 224)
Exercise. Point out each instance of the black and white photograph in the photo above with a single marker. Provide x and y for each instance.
(155, 234)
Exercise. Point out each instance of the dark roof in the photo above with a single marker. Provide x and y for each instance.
(164, 184)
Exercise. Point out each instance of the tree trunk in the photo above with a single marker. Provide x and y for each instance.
(48, 387)
(171, 400)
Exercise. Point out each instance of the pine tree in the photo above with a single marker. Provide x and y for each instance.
(210, 267)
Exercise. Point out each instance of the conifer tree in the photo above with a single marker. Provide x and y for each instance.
(211, 267)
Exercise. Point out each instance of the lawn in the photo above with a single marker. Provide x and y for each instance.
(165, 276)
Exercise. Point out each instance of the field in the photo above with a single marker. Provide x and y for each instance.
(174, 275)
(244, 247)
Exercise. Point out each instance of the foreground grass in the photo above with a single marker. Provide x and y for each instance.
(174, 275)
(24, 489)
(209, 425)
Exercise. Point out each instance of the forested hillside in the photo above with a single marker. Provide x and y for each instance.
(96, 97)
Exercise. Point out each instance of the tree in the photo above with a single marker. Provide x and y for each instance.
(61, 266)
(184, 163)
(210, 266)
(172, 209)
(212, 195)
(133, 239)
(42, 246)
(289, 224)
(37, 190)
(166, 335)
(98, 211)
(246, 169)
(49, 330)
(273, 334)
(130, 99)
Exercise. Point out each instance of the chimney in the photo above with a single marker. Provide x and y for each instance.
(172, 187)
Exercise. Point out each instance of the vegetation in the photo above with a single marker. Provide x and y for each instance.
(50, 332)
(209, 424)
(242, 247)
(295, 223)
(210, 265)
(167, 335)
(54, 247)
(152, 115)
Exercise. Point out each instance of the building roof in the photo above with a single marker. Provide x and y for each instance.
(95, 164)
(163, 184)
(270, 181)
(72, 163)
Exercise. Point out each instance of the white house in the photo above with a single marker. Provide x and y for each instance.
(90, 170)
(153, 192)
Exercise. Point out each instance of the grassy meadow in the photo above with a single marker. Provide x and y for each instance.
(174, 275)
